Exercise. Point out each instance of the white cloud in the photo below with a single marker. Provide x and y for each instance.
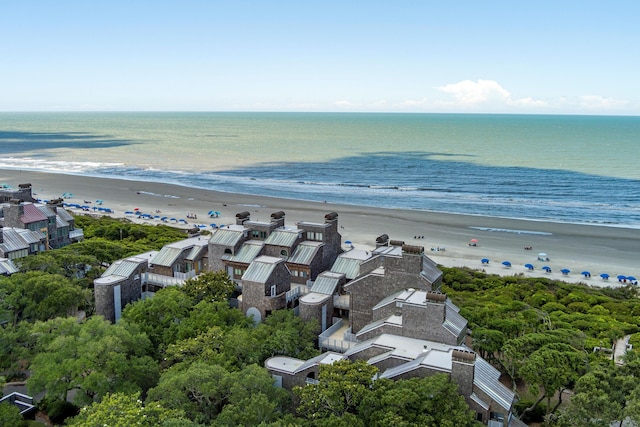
(485, 94)
(596, 102)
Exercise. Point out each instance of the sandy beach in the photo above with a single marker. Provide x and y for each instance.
(593, 248)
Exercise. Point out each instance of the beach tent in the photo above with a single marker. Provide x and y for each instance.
(506, 263)
(565, 271)
(546, 268)
(529, 266)
(485, 260)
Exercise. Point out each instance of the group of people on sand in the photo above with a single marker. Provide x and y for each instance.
(418, 237)
(192, 215)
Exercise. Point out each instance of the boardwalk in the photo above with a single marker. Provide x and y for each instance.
(620, 350)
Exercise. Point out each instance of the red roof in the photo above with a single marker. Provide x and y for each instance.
(32, 214)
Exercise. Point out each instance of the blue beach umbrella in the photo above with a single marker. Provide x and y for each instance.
(621, 277)
(586, 274)
(605, 276)
(213, 226)
(506, 263)
(546, 268)
(184, 221)
(529, 266)
(172, 219)
(164, 218)
(485, 260)
(347, 242)
(631, 278)
(565, 271)
(202, 226)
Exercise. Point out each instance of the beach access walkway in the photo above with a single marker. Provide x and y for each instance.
(621, 347)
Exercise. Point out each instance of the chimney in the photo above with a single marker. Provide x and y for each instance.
(277, 218)
(462, 370)
(242, 217)
(382, 240)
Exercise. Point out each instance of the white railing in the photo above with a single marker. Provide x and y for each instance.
(293, 294)
(184, 276)
(160, 280)
(327, 343)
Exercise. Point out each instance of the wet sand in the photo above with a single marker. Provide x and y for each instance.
(594, 248)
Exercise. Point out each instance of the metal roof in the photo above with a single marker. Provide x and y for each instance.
(226, 237)
(350, 267)
(326, 284)
(60, 223)
(76, 233)
(486, 378)
(453, 321)
(123, 268)
(430, 270)
(30, 236)
(248, 252)
(32, 214)
(7, 266)
(15, 239)
(166, 257)
(66, 216)
(260, 269)
(304, 253)
(194, 253)
(283, 237)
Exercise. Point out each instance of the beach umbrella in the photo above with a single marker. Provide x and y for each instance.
(211, 212)
(621, 277)
(202, 226)
(213, 225)
(474, 240)
(631, 278)
(164, 218)
(95, 208)
(506, 263)
(136, 209)
(586, 274)
(485, 260)
(565, 271)
(605, 276)
(529, 266)
(546, 268)
(347, 242)
(184, 221)
(172, 219)
(99, 201)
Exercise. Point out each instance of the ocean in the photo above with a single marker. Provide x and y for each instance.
(579, 169)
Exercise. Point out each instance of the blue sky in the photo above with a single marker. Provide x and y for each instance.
(555, 57)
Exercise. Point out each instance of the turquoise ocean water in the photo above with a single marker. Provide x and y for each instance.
(562, 168)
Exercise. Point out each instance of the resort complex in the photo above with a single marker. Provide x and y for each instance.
(383, 306)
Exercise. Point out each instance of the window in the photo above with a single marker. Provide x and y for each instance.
(273, 290)
(284, 252)
(238, 272)
(257, 234)
(313, 235)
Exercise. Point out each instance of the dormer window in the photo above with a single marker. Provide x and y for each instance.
(284, 252)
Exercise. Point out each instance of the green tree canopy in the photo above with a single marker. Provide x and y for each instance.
(93, 357)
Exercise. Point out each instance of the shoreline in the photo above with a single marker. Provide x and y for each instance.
(597, 248)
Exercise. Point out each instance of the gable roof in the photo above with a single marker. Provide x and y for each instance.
(7, 266)
(226, 237)
(249, 251)
(261, 269)
(32, 214)
(283, 237)
(305, 252)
